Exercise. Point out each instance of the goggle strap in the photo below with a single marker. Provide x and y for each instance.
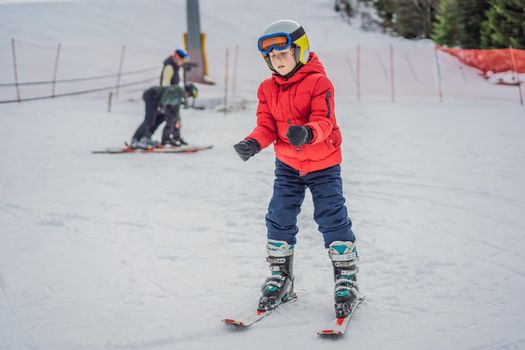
(299, 32)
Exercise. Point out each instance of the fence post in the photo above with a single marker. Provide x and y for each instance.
(349, 64)
(440, 88)
(119, 74)
(460, 62)
(516, 73)
(358, 72)
(226, 82)
(15, 70)
(110, 99)
(392, 85)
(55, 71)
(411, 67)
(380, 59)
(235, 69)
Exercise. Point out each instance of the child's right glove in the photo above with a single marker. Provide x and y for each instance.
(247, 148)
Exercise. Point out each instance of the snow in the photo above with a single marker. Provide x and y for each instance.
(152, 251)
(509, 78)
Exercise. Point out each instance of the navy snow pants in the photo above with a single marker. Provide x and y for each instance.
(330, 212)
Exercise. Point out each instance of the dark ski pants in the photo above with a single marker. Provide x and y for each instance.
(171, 130)
(330, 212)
(152, 118)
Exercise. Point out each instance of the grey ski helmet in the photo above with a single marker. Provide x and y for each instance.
(286, 32)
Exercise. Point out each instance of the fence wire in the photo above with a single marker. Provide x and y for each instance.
(361, 73)
(81, 92)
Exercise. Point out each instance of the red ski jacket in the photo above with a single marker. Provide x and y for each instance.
(306, 98)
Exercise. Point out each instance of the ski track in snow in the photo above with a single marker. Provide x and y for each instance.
(152, 251)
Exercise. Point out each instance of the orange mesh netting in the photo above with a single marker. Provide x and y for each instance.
(495, 60)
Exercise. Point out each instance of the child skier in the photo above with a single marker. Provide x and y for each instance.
(296, 114)
(162, 105)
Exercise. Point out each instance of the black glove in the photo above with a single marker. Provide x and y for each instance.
(247, 148)
(299, 135)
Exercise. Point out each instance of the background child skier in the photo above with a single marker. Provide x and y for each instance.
(162, 105)
(296, 113)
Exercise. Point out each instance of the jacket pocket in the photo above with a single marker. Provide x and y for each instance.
(319, 151)
(330, 142)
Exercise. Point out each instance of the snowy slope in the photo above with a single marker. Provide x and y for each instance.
(159, 22)
(150, 252)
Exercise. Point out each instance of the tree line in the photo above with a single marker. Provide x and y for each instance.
(468, 24)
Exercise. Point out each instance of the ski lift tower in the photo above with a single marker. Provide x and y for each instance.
(195, 43)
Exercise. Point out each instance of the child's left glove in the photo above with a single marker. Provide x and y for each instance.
(299, 135)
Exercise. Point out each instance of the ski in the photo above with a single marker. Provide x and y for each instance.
(127, 149)
(254, 316)
(338, 326)
(248, 319)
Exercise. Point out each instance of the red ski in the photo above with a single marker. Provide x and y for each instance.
(338, 326)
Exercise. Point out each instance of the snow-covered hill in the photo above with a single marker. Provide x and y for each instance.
(152, 251)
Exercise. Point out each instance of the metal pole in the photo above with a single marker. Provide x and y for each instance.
(392, 85)
(15, 70)
(513, 58)
(380, 59)
(358, 72)
(412, 70)
(350, 67)
(349, 64)
(460, 62)
(55, 71)
(194, 43)
(235, 69)
(440, 88)
(226, 83)
(119, 74)
(110, 98)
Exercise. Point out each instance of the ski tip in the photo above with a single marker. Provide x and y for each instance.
(331, 332)
(233, 322)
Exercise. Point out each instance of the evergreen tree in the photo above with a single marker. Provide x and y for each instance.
(408, 18)
(505, 25)
(458, 22)
(473, 13)
(345, 6)
(448, 25)
(414, 18)
(385, 10)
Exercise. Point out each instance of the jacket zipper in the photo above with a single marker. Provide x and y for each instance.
(327, 98)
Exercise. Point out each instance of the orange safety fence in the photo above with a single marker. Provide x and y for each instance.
(492, 60)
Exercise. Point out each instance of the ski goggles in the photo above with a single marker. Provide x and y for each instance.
(278, 41)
